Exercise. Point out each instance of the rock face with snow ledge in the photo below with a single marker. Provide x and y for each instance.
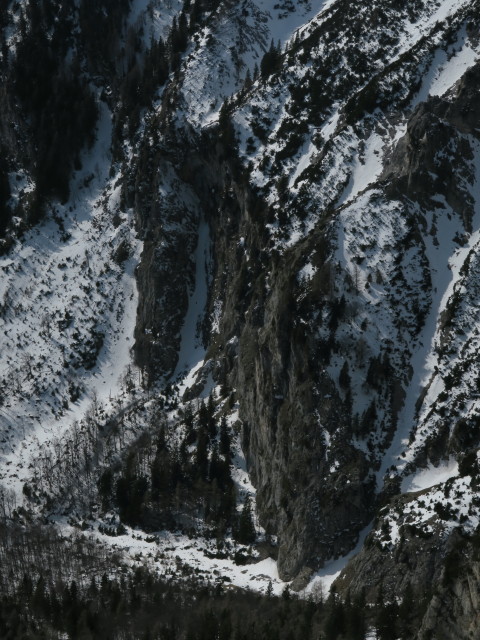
(309, 249)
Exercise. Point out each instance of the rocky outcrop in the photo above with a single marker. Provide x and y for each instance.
(439, 577)
(434, 144)
(315, 483)
(294, 421)
(315, 489)
(167, 217)
(454, 610)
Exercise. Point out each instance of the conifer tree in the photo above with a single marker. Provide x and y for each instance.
(161, 470)
(344, 377)
(105, 487)
(270, 60)
(195, 15)
(248, 81)
(203, 416)
(246, 528)
(214, 468)
(202, 453)
(225, 439)
(211, 423)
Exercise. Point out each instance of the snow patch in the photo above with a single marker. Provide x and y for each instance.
(426, 478)
(68, 312)
(447, 68)
(366, 169)
(192, 351)
(324, 578)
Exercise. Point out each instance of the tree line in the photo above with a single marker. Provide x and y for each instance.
(54, 586)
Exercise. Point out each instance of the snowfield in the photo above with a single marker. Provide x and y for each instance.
(426, 478)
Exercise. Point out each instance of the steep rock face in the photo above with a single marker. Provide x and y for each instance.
(293, 417)
(308, 435)
(455, 611)
(285, 317)
(295, 420)
(435, 142)
(168, 215)
(264, 348)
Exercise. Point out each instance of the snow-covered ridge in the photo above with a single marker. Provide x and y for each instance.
(432, 366)
(276, 143)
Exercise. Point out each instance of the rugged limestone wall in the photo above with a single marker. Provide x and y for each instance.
(295, 420)
(454, 611)
(167, 216)
(434, 153)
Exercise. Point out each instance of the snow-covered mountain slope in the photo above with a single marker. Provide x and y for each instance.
(233, 43)
(329, 167)
(279, 211)
(68, 311)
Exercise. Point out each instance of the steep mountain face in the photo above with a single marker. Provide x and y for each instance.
(338, 291)
(275, 206)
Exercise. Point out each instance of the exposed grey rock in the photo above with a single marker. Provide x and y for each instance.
(301, 581)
